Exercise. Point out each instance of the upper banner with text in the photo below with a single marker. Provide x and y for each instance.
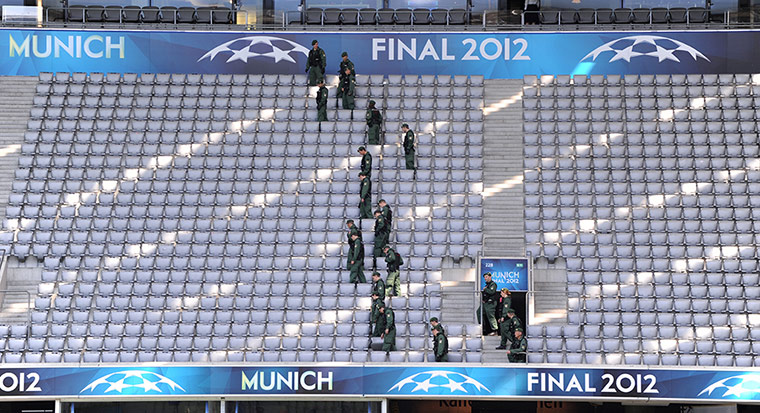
(495, 55)
(330, 380)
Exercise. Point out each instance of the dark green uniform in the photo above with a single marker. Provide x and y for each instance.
(322, 104)
(508, 328)
(351, 231)
(392, 281)
(501, 313)
(315, 65)
(348, 92)
(367, 164)
(386, 211)
(347, 64)
(365, 203)
(377, 318)
(409, 149)
(357, 267)
(517, 351)
(382, 233)
(389, 341)
(379, 288)
(441, 347)
(489, 297)
(374, 120)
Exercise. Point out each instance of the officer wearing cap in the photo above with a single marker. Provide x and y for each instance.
(315, 64)
(366, 161)
(347, 90)
(488, 296)
(378, 321)
(382, 234)
(440, 345)
(356, 261)
(352, 229)
(408, 146)
(365, 197)
(435, 324)
(508, 328)
(374, 120)
(518, 349)
(389, 335)
(346, 64)
(322, 102)
(378, 286)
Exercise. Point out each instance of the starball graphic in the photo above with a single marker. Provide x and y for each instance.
(434, 379)
(244, 48)
(659, 47)
(133, 382)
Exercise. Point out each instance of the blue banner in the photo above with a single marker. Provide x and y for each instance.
(494, 55)
(419, 381)
(511, 273)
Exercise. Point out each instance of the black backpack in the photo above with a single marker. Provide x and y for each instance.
(399, 260)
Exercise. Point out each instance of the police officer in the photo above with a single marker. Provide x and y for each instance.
(322, 102)
(348, 90)
(346, 64)
(440, 345)
(408, 146)
(378, 286)
(352, 229)
(389, 335)
(382, 233)
(435, 324)
(387, 213)
(315, 65)
(488, 296)
(374, 120)
(393, 261)
(376, 318)
(518, 349)
(356, 261)
(508, 327)
(366, 161)
(365, 196)
(505, 303)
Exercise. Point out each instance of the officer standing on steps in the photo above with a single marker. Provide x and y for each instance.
(348, 91)
(408, 146)
(356, 261)
(488, 296)
(378, 321)
(346, 64)
(387, 213)
(366, 161)
(374, 120)
(389, 335)
(365, 194)
(440, 345)
(315, 65)
(518, 349)
(508, 327)
(382, 233)
(352, 229)
(393, 261)
(322, 102)
(378, 286)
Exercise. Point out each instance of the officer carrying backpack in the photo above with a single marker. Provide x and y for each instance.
(399, 260)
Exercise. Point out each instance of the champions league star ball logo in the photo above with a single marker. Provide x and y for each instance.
(244, 48)
(735, 386)
(659, 47)
(139, 380)
(427, 380)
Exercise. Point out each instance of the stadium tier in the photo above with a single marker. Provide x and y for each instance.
(202, 218)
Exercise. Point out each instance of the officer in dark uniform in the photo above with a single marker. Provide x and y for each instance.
(356, 261)
(382, 234)
(489, 296)
(389, 335)
(374, 119)
(352, 229)
(315, 65)
(518, 349)
(435, 324)
(387, 213)
(347, 91)
(322, 102)
(346, 64)
(376, 316)
(408, 146)
(440, 345)
(366, 161)
(378, 285)
(365, 197)
(393, 263)
(508, 327)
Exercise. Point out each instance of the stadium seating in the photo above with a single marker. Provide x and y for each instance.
(626, 16)
(368, 16)
(201, 218)
(646, 187)
(150, 14)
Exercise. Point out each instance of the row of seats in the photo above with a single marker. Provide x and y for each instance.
(531, 81)
(385, 16)
(150, 14)
(658, 15)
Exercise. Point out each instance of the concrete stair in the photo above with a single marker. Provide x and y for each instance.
(503, 201)
(19, 278)
(490, 354)
(16, 99)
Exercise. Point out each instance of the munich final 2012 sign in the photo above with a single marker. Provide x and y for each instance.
(511, 273)
(494, 55)
(389, 381)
